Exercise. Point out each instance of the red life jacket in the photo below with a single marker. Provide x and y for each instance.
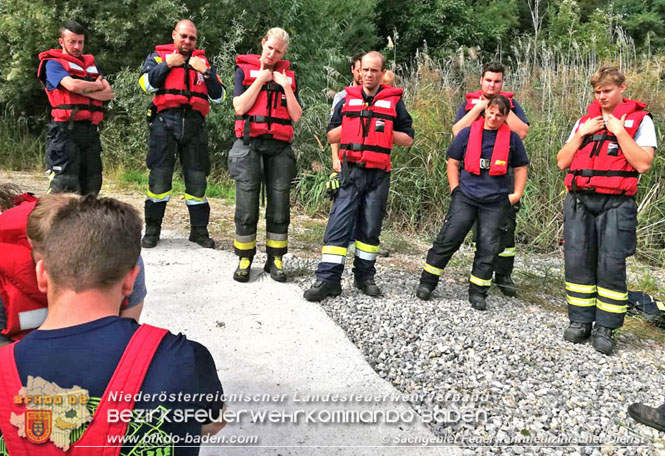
(184, 86)
(127, 378)
(599, 165)
(269, 115)
(63, 102)
(367, 130)
(473, 97)
(25, 306)
(498, 165)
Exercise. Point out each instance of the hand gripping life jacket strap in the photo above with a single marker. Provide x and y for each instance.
(127, 379)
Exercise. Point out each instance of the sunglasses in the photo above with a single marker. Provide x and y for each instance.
(184, 36)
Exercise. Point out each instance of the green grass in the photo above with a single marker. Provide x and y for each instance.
(138, 180)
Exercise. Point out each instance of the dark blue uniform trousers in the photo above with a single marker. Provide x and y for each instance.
(360, 203)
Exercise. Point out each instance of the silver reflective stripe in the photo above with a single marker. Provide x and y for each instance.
(366, 255)
(254, 74)
(92, 69)
(191, 202)
(74, 66)
(277, 236)
(31, 319)
(328, 258)
(247, 238)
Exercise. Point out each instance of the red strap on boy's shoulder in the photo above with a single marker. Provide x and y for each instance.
(127, 379)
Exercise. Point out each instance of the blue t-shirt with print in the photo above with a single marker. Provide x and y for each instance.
(86, 356)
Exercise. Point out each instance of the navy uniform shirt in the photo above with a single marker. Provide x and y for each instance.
(484, 187)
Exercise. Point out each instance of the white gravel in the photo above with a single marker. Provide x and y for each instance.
(516, 385)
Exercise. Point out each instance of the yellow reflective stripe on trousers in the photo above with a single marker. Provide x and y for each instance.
(480, 282)
(244, 245)
(616, 295)
(192, 200)
(576, 287)
(276, 244)
(581, 302)
(159, 196)
(333, 254)
(600, 305)
(432, 270)
(334, 250)
(366, 247)
(508, 252)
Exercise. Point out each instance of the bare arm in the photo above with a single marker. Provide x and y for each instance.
(336, 164)
(453, 173)
(402, 139)
(520, 182)
(469, 117)
(639, 158)
(335, 135)
(212, 428)
(565, 156)
(82, 87)
(106, 94)
(517, 125)
(243, 103)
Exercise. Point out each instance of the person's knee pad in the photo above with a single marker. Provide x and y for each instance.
(195, 183)
(159, 180)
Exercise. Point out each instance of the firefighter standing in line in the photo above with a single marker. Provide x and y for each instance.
(482, 192)
(266, 104)
(339, 96)
(367, 123)
(491, 82)
(605, 154)
(76, 89)
(184, 83)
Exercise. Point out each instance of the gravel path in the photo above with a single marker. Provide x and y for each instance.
(500, 382)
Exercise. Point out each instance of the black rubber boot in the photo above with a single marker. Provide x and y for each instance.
(603, 339)
(368, 286)
(478, 301)
(275, 267)
(154, 214)
(199, 234)
(424, 291)
(649, 416)
(577, 332)
(199, 216)
(321, 290)
(241, 273)
(506, 285)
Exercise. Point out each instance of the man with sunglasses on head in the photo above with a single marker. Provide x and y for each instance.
(184, 83)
